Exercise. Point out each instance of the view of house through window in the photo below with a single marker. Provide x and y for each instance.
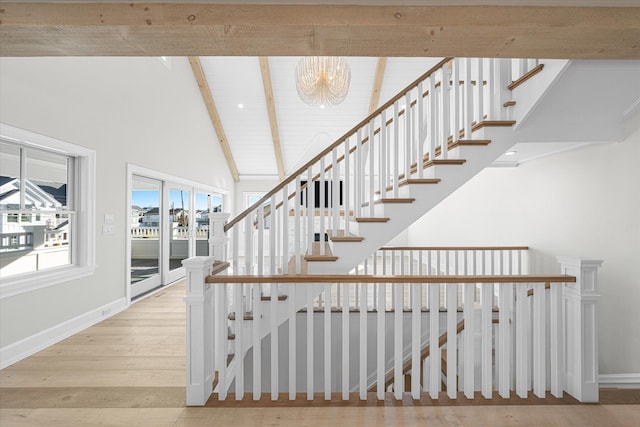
(36, 209)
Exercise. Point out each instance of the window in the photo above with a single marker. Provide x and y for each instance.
(47, 221)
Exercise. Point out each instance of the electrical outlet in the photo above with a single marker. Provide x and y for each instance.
(108, 218)
(108, 229)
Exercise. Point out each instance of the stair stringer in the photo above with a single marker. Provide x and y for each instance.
(426, 197)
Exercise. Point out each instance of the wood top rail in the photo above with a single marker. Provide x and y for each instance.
(454, 248)
(351, 278)
(339, 141)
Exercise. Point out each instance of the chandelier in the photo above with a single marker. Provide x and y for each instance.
(322, 80)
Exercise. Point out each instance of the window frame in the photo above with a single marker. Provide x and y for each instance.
(82, 185)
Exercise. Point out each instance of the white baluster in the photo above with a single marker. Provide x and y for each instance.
(468, 101)
(384, 179)
(480, 90)
(492, 92)
(434, 332)
(221, 323)
(416, 313)
(261, 240)
(372, 151)
(322, 206)
(522, 333)
(285, 228)
(293, 348)
(431, 121)
(239, 331)
(456, 100)
(359, 174)
(421, 131)
(381, 361)
(256, 339)
(396, 150)
(248, 244)
(504, 339)
(345, 340)
(296, 226)
(347, 187)
(452, 342)
(327, 342)
(363, 342)
(487, 338)
(539, 340)
(273, 231)
(310, 339)
(398, 377)
(335, 190)
(311, 200)
(407, 135)
(469, 327)
(445, 111)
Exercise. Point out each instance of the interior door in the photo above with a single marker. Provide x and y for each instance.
(146, 234)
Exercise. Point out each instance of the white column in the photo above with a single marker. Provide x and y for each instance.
(579, 301)
(200, 339)
(217, 238)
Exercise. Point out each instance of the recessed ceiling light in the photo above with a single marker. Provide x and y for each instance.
(322, 106)
(510, 153)
(241, 106)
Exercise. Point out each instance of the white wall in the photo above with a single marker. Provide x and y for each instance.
(582, 202)
(251, 186)
(133, 110)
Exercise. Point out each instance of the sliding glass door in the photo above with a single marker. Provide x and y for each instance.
(181, 230)
(146, 234)
(169, 222)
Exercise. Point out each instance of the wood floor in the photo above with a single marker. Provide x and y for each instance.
(129, 370)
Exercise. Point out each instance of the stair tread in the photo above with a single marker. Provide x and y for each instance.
(315, 254)
(232, 316)
(378, 219)
(268, 297)
(395, 200)
(417, 181)
(341, 236)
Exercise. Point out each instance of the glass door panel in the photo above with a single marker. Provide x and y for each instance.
(180, 226)
(203, 209)
(146, 234)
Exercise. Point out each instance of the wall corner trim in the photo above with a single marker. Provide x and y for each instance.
(26, 347)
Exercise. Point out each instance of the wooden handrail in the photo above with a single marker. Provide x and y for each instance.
(339, 141)
(352, 278)
(453, 248)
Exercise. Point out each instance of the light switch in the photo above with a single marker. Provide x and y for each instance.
(108, 229)
(108, 218)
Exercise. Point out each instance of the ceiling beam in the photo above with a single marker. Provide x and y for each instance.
(271, 109)
(377, 84)
(197, 29)
(196, 66)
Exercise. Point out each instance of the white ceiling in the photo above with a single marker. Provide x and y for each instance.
(304, 130)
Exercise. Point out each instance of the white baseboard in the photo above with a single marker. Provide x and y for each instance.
(19, 350)
(619, 380)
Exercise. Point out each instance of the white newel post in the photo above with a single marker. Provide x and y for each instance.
(217, 238)
(200, 339)
(579, 305)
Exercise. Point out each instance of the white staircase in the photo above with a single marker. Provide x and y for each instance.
(379, 178)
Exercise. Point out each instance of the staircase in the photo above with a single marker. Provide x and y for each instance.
(351, 199)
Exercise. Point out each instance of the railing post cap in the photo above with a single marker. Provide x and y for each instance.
(579, 261)
(197, 262)
(220, 215)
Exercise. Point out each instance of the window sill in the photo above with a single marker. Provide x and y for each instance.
(42, 279)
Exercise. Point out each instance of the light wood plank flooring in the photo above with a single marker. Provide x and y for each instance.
(129, 370)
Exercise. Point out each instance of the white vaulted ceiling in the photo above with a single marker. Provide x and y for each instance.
(304, 130)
